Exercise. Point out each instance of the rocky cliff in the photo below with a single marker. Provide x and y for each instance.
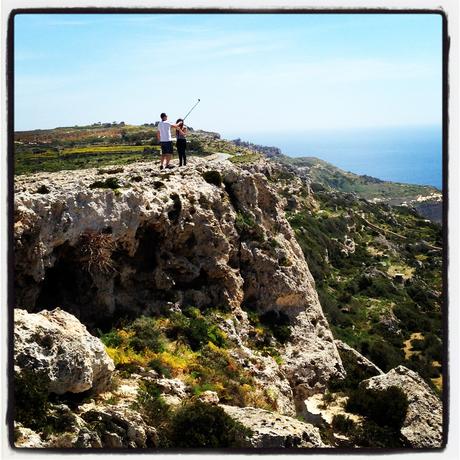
(209, 243)
(212, 235)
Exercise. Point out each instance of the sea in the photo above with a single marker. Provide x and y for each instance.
(411, 155)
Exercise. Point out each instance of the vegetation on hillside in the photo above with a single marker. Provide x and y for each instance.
(379, 279)
(190, 346)
(325, 175)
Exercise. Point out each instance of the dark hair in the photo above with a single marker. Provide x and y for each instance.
(179, 120)
(163, 115)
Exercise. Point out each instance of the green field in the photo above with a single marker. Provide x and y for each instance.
(99, 145)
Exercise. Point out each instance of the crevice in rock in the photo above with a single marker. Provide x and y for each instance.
(145, 257)
(66, 285)
(174, 213)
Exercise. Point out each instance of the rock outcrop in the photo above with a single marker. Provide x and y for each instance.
(56, 345)
(422, 427)
(271, 430)
(359, 362)
(211, 235)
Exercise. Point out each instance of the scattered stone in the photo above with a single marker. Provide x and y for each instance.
(209, 397)
(26, 438)
(172, 387)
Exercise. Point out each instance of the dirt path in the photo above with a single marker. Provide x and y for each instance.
(382, 230)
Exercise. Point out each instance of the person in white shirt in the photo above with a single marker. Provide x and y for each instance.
(165, 139)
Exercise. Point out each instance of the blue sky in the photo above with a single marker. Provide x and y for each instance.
(253, 73)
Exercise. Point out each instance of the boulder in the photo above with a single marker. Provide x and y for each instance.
(173, 387)
(56, 345)
(272, 430)
(422, 427)
(352, 356)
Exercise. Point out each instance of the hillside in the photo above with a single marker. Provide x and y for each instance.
(241, 289)
(425, 199)
(378, 273)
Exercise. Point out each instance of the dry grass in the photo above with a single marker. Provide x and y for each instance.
(96, 252)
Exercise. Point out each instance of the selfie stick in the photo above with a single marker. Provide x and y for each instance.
(191, 110)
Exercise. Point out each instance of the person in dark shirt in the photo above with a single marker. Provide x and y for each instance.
(181, 141)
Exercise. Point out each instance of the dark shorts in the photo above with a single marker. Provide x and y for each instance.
(166, 148)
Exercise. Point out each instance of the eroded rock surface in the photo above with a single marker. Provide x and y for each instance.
(187, 236)
(55, 344)
(271, 430)
(423, 424)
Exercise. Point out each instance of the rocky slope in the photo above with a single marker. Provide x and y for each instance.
(427, 200)
(212, 235)
(111, 246)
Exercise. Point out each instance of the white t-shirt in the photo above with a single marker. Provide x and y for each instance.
(164, 127)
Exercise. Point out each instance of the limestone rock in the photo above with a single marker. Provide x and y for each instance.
(173, 387)
(171, 237)
(351, 355)
(56, 343)
(120, 428)
(272, 430)
(209, 397)
(26, 438)
(423, 424)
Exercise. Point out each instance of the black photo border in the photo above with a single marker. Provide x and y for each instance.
(220, 11)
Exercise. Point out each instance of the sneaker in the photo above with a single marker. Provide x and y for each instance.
(170, 167)
(161, 168)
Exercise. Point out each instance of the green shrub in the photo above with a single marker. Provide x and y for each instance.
(126, 369)
(215, 367)
(375, 436)
(384, 355)
(31, 402)
(342, 424)
(245, 224)
(111, 339)
(213, 177)
(152, 405)
(158, 366)
(385, 407)
(146, 335)
(203, 425)
(195, 329)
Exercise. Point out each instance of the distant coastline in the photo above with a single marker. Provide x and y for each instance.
(411, 155)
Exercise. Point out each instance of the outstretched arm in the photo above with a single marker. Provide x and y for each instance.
(182, 130)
